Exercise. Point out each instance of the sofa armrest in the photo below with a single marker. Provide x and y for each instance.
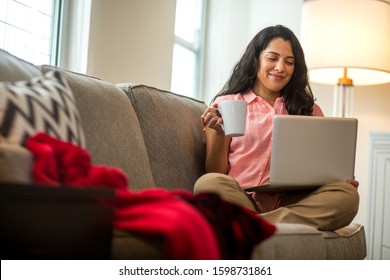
(15, 163)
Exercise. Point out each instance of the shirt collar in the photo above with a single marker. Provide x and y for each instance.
(250, 96)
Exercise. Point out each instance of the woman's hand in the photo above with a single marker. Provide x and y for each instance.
(353, 182)
(217, 144)
(212, 118)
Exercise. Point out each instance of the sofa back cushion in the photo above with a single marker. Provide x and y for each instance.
(112, 131)
(14, 69)
(172, 131)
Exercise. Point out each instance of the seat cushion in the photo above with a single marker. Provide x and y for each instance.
(292, 242)
(15, 163)
(299, 242)
(132, 246)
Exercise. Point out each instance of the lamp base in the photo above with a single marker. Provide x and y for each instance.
(343, 100)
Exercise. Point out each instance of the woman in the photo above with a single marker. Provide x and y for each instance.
(272, 78)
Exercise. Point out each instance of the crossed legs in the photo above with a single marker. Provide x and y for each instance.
(328, 207)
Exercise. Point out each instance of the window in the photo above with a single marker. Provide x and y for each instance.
(29, 29)
(187, 48)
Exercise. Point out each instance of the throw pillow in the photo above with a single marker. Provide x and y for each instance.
(43, 104)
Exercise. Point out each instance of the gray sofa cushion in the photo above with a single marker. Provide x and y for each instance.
(173, 136)
(301, 242)
(112, 131)
(13, 69)
(15, 163)
(292, 242)
(133, 246)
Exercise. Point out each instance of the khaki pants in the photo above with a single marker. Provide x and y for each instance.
(328, 207)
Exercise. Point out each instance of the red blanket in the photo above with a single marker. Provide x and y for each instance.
(194, 227)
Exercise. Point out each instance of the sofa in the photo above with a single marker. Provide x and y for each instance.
(155, 137)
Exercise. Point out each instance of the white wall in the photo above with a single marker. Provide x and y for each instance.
(132, 41)
(226, 37)
(272, 12)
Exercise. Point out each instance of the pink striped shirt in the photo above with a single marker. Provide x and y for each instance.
(249, 155)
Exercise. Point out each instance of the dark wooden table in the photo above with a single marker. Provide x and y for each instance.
(45, 222)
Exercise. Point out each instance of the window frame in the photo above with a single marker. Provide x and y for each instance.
(55, 31)
(197, 48)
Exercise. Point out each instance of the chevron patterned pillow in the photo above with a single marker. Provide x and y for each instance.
(43, 104)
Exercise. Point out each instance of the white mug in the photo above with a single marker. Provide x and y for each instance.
(234, 117)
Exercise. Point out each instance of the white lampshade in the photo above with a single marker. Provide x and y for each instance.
(352, 34)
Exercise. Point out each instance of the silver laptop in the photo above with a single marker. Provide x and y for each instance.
(308, 152)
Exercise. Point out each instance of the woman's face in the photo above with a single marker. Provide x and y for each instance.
(276, 66)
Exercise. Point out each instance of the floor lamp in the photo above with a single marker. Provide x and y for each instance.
(346, 44)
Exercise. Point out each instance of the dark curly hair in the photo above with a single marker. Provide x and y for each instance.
(297, 94)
